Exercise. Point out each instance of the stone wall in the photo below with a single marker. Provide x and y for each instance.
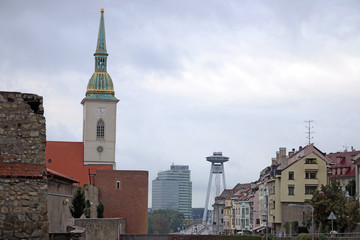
(189, 237)
(23, 213)
(60, 194)
(23, 183)
(22, 128)
(92, 194)
(101, 228)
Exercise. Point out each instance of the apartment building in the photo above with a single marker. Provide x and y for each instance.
(223, 210)
(292, 178)
(343, 166)
(297, 176)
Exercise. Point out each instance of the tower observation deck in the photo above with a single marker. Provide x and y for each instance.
(217, 167)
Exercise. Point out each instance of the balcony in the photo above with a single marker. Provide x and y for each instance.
(311, 181)
(311, 166)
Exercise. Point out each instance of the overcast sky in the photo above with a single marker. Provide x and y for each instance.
(194, 77)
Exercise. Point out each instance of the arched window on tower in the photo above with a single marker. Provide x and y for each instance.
(100, 129)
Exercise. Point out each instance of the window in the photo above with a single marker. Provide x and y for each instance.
(310, 175)
(117, 184)
(291, 190)
(291, 175)
(310, 189)
(273, 190)
(100, 129)
(247, 211)
(310, 161)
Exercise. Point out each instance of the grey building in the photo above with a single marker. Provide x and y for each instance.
(172, 189)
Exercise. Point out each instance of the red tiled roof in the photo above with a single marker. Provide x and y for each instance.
(228, 193)
(67, 158)
(244, 195)
(60, 176)
(342, 164)
(22, 170)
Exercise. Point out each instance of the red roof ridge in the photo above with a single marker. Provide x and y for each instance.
(22, 170)
(61, 176)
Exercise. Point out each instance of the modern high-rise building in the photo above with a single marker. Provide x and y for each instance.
(172, 189)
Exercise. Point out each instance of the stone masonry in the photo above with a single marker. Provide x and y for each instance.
(23, 182)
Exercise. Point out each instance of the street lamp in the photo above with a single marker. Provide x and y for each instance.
(312, 215)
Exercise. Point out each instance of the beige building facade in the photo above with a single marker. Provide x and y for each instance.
(99, 135)
(295, 180)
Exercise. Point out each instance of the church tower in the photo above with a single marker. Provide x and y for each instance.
(99, 109)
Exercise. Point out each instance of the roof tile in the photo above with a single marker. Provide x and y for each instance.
(22, 170)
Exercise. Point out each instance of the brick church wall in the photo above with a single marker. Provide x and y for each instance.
(127, 200)
(23, 183)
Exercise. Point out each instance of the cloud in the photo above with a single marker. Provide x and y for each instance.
(194, 77)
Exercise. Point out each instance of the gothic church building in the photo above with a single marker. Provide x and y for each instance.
(92, 161)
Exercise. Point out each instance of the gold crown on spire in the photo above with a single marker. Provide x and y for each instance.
(102, 10)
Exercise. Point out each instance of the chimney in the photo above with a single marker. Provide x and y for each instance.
(283, 157)
(291, 154)
(274, 161)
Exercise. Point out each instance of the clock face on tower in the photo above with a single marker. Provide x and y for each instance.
(101, 111)
(100, 149)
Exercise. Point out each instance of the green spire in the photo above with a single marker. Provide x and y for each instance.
(101, 42)
(100, 85)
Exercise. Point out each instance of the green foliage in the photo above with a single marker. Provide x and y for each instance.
(165, 221)
(351, 187)
(100, 210)
(271, 236)
(322, 237)
(176, 221)
(78, 203)
(332, 199)
(87, 210)
(304, 236)
(293, 226)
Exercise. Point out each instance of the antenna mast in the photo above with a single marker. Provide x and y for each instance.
(309, 132)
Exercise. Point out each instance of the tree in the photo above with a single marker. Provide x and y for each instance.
(100, 210)
(78, 203)
(176, 221)
(161, 224)
(332, 199)
(165, 221)
(351, 187)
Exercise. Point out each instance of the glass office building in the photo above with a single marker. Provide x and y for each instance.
(172, 189)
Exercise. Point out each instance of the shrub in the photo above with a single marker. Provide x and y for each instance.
(78, 203)
(304, 236)
(100, 210)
